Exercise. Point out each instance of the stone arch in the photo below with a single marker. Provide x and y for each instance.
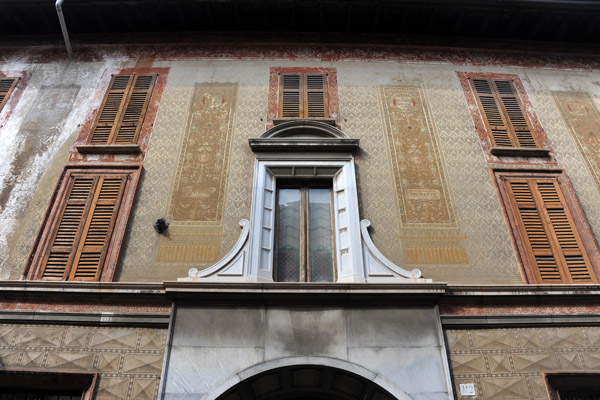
(304, 128)
(307, 377)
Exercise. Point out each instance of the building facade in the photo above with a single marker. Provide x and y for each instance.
(366, 213)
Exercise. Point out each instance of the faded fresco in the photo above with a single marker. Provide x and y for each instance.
(198, 198)
(421, 184)
(582, 117)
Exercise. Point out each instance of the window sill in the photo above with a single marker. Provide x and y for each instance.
(330, 121)
(520, 152)
(109, 148)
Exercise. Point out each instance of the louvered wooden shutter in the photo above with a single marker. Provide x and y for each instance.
(316, 96)
(123, 109)
(546, 224)
(7, 85)
(291, 96)
(98, 228)
(80, 238)
(503, 113)
(303, 96)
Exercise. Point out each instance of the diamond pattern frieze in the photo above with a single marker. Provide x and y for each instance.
(113, 389)
(114, 339)
(494, 339)
(142, 364)
(143, 389)
(70, 361)
(128, 360)
(505, 388)
(34, 337)
(516, 358)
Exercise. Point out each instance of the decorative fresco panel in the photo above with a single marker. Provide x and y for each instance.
(421, 185)
(420, 182)
(202, 167)
(582, 117)
(198, 198)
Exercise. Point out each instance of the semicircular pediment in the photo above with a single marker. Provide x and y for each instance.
(304, 129)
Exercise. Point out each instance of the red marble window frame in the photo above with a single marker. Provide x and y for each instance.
(14, 97)
(481, 130)
(332, 91)
(108, 268)
(590, 245)
(147, 126)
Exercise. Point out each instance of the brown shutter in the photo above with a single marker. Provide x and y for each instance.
(7, 85)
(290, 104)
(316, 96)
(570, 246)
(82, 235)
(503, 113)
(68, 230)
(110, 111)
(521, 128)
(135, 109)
(123, 109)
(553, 244)
(98, 228)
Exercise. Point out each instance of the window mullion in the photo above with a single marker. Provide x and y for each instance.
(304, 239)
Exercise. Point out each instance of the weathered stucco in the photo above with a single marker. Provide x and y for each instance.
(470, 242)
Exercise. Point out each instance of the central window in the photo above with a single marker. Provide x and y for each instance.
(304, 240)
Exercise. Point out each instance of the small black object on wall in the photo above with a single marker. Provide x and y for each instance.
(161, 225)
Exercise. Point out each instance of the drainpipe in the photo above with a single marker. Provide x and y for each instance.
(63, 26)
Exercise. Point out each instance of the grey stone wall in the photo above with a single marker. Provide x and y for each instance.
(213, 347)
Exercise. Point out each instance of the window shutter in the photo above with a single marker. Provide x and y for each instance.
(291, 94)
(503, 113)
(68, 230)
(123, 109)
(303, 96)
(98, 228)
(552, 239)
(316, 96)
(135, 110)
(82, 234)
(7, 85)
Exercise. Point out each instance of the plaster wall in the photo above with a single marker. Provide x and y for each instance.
(477, 231)
(212, 347)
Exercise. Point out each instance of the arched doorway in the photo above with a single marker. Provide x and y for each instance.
(301, 382)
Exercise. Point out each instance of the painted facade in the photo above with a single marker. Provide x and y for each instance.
(430, 287)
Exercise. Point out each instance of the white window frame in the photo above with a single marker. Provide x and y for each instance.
(346, 219)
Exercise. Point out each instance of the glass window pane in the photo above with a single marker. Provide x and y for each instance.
(320, 247)
(288, 235)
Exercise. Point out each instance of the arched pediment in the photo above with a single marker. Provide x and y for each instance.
(303, 136)
(304, 128)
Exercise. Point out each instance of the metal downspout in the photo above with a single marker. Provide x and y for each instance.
(63, 26)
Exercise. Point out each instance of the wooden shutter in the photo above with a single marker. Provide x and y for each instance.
(503, 113)
(98, 228)
(303, 96)
(7, 85)
(316, 96)
(553, 244)
(81, 236)
(290, 104)
(123, 109)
